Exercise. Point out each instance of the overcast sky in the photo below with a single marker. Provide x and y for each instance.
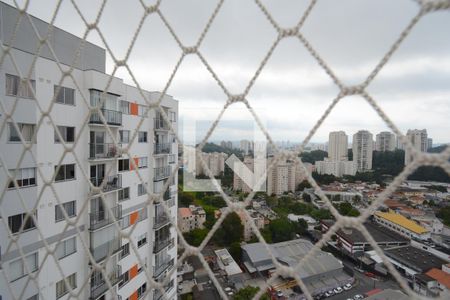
(292, 90)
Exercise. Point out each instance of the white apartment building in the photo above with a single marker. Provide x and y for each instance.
(246, 146)
(419, 141)
(429, 143)
(338, 146)
(190, 218)
(95, 193)
(226, 144)
(385, 141)
(362, 150)
(238, 183)
(336, 168)
(215, 162)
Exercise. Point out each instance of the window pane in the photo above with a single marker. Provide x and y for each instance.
(70, 171)
(69, 95)
(13, 134)
(15, 222)
(70, 134)
(16, 269)
(59, 92)
(61, 173)
(32, 262)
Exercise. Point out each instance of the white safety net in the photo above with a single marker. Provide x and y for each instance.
(420, 159)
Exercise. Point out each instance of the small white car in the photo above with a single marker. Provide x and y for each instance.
(358, 297)
(280, 294)
(228, 289)
(347, 286)
(338, 290)
(329, 293)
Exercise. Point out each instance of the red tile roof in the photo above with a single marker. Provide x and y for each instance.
(440, 276)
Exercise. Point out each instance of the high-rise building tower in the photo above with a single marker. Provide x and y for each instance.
(419, 141)
(338, 146)
(385, 141)
(362, 150)
(86, 178)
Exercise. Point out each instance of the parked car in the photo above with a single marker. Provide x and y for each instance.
(338, 290)
(228, 289)
(369, 274)
(329, 293)
(358, 297)
(347, 286)
(280, 294)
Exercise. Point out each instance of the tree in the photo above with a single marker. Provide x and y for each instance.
(302, 227)
(247, 293)
(195, 237)
(321, 214)
(303, 185)
(444, 214)
(306, 197)
(231, 231)
(346, 209)
(185, 199)
(282, 230)
(313, 156)
(235, 251)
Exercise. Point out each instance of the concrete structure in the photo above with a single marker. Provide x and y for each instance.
(190, 218)
(238, 183)
(215, 162)
(336, 168)
(429, 143)
(385, 141)
(227, 263)
(338, 146)
(353, 242)
(100, 191)
(402, 225)
(362, 150)
(246, 146)
(281, 178)
(434, 283)
(388, 294)
(419, 141)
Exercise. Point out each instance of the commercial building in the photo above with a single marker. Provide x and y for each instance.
(362, 150)
(320, 272)
(100, 186)
(215, 161)
(402, 225)
(354, 243)
(419, 141)
(385, 141)
(190, 218)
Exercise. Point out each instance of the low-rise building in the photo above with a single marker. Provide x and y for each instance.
(402, 225)
(190, 218)
(388, 294)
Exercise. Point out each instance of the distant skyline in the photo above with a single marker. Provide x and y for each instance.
(292, 91)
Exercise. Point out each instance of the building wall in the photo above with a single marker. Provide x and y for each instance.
(419, 141)
(362, 150)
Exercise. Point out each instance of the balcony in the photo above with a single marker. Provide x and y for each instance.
(103, 151)
(108, 184)
(171, 158)
(160, 220)
(158, 270)
(112, 117)
(157, 293)
(162, 148)
(98, 282)
(161, 173)
(105, 217)
(160, 124)
(162, 243)
(107, 249)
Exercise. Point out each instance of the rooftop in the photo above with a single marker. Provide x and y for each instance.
(415, 258)
(402, 221)
(184, 212)
(440, 276)
(227, 263)
(379, 233)
(388, 294)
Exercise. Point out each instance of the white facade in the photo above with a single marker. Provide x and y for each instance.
(338, 146)
(419, 141)
(246, 146)
(336, 168)
(362, 150)
(215, 162)
(385, 141)
(102, 189)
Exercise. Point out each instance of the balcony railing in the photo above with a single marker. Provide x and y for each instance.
(162, 148)
(160, 220)
(104, 150)
(158, 270)
(171, 158)
(109, 183)
(160, 244)
(161, 124)
(107, 249)
(99, 219)
(157, 293)
(98, 282)
(112, 117)
(161, 173)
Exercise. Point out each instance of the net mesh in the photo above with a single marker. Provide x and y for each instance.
(66, 73)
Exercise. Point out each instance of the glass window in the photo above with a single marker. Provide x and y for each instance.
(143, 162)
(125, 250)
(62, 288)
(27, 131)
(125, 107)
(67, 134)
(123, 165)
(142, 136)
(19, 88)
(124, 136)
(15, 222)
(24, 177)
(66, 248)
(65, 172)
(124, 194)
(142, 189)
(22, 267)
(142, 240)
(64, 95)
(69, 207)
